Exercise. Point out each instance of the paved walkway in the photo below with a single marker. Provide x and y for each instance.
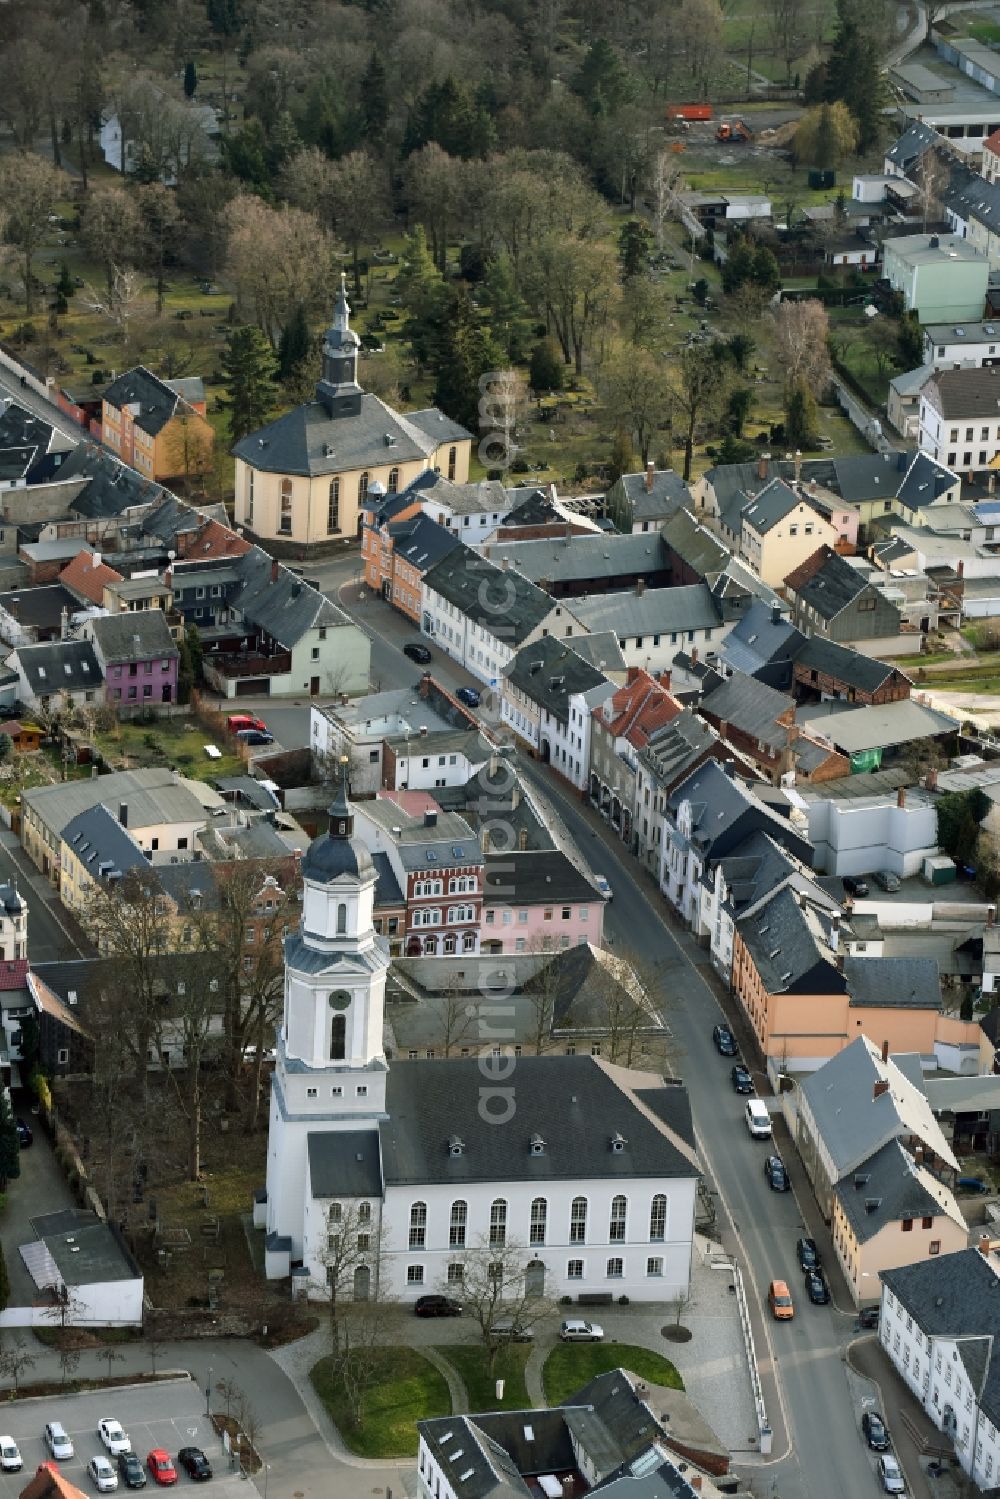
(868, 1362)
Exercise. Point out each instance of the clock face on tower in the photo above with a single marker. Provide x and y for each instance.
(339, 999)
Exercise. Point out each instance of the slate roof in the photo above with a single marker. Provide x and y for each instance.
(771, 505)
(139, 388)
(39, 608)
(853, 668)
(967, 392)
(657, 611)
(504, 604)
(888, 1187)
(601, 649)
(345, 1163)
(574, 559)
(152, 795)
(106, 849)
(387, 891)
(481, 497)
(24, 446)
(760, 639)
(549, 672)
(86, 576)
(908, 982)
(719, 806)
(914, 142)
(852, 1123)
(307, 440)
(138, 635)
(576, 1104)
(673, 751)
(788, 944)
(536, 877)
(59, 666)
(667, 493)
(750, 706)
(829, 585)
(421, 541)
(284, 606)
(700, 548)
(972, 198)
(447, 843)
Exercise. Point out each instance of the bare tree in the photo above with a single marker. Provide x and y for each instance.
(130, 923)
(123, 303)
(786, 21)
(358, 1302)
(931, 178)
(698, 388)
(497, 1292)
(15, 1361)
(182, 1024)
(111, 229)
(667, 178)
(30, 188)
(279, 260)
(636, 393)
(800, 340)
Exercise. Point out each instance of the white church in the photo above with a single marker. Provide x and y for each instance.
(589, 1166)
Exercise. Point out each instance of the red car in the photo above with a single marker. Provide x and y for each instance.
(160, 1465)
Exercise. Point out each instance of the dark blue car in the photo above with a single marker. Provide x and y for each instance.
(469, 696)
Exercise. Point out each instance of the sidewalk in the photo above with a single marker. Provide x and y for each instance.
(904, 1416)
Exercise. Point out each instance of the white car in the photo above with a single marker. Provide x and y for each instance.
(103, 1474)
(758, 1119)
(110, 1432)
(578, 1331)
(10, 1457)
(57, 1441)
(891, 1474)
(601, 882)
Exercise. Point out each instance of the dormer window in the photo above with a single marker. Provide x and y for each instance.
(456, 1147)
(537, 1145)
(618, 1143)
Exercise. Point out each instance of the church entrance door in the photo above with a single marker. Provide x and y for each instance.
(534, 1278)
(362, 1282)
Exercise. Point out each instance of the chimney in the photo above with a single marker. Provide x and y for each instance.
(522, 840)
(798, 464)
(918, 1155)
(430, 819)
(95, 560)
(885, 1052)
(64, 624)
(695, 1482)
(640, 586)
(991, 915)
(776, 614)
(879, 1088)
(123, 814)
(425, 684)
(275, 569)
(650, 471)
(486, 838)
(984, 1246)
(961, 567)
(423, 731)
(930, 780)
(901, 797)
(762, 463)
(694, 655)
(663, 677)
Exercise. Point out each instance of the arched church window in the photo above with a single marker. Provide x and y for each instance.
(341, 919)
(338, 1038)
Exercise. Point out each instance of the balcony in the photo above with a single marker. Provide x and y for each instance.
(232, 664)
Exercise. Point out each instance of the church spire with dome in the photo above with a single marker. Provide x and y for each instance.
(338, 389)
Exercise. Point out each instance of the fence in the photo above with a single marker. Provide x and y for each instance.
(756, 1388)
(28, 376)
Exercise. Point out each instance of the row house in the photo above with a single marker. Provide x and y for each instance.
(960, 418)
(547, 699)
(157, 427)
(438, 865)
(137, 655)
(621, 727)
(673, 752)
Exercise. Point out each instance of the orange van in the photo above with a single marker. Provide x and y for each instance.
(780, 1301)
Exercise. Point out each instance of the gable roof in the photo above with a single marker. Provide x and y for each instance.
(570, 559)
(674, 751)
(914, 142)
(853, 1122)
(789, 943)
(59, 666)
(826, 582)
(761, 637)
(752, 707)
(635, 712)
(911, 983)
(724, 809)
(771, 505)
(87, 574)
(703, 552)
(854, 668)
(279, 601)
(421, 541)
(877, 725)
(105, 848)
(109, 486)
(503, 603)
(215, 540)
(889, 1186)
(656, 611)
(152, 401)
(549, 672)
(657, 500)
(967, 392)
(138, 635)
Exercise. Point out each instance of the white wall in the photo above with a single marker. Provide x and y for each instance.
(859, 839)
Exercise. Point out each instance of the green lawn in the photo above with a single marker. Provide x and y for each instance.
(176, 742)
(571, 1365)
(407, 1389)
(469, 1360)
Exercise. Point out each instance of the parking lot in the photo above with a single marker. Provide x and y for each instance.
(170, 1415)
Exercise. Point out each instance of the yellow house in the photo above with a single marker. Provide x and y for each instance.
(157, 427)
(891, 1211)
(304, 478)
(779, 530)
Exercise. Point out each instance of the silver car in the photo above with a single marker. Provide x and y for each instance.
(891, 1474)
(58, 1442)
(575, 1330)
(103, 1475)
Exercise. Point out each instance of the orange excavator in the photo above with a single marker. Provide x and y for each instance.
(734, 130)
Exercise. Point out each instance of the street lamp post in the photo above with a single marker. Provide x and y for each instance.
(267, 1469)
(208, 1393)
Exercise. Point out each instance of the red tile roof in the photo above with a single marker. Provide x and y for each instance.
(639, 708)
(86, 576)
(13, 974)
(216, 540)
(992, 143)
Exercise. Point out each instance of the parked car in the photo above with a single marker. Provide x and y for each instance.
(577, 1331)
(195, 1464)
(855, 885)
(604, 887)
(24, 1135)
(237, 721)
(130, 1471)
(111, 1434)
(808, 1254)
(779, 1299)
(885, 879)
(437, 1306)
(10, 1456)
(57, 1441)
(776, 1175)
(417, 652)
(160, 1464)
(512, 1332)
(890, 1474)
(868, 1316)
(873, 1429)
(469, 696)
(742, 1081)
(102, 1475)
(725, 1041)
(255, 736)
(758, 1120)
(816, 1288)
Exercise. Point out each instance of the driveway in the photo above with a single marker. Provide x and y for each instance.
(41, 1188)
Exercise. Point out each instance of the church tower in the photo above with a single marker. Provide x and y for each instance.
(339, 390)
(330, 1072)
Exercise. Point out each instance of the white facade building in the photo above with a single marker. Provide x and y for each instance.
(594, 1172)
(952, 345)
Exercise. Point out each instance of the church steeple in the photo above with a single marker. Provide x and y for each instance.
(338, 390)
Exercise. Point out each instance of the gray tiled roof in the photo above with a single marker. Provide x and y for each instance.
(601, 649)
(155, 400)
(535, 877)
(833, 586)
(39, 607)
(138, 635)
(503, 603)
(965, 393)
(579, 558)
(751, 706)
(284, 606)
(956, 1296)
(667, 493)
(771, 505)
(724, 809)
(884, 1189)
(479, 497)
(447, 843)
(911, 982)
(573, 1103)
(549, 672)
(759, 639)
(657, 611)
(60, 666)
(676, 748)
(917, 139)
(421, 541)
(307, 440)
(109, 486)
(695, 545)
(786, 940)
(853, 668)
(105, 848)
(345, 1163)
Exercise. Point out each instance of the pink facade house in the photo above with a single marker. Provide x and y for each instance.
(539, 900)
(138, 657)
